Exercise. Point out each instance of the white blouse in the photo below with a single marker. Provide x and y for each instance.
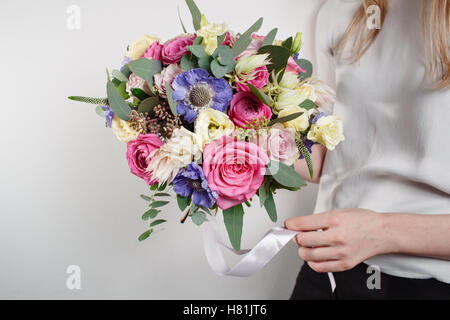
(396, 156)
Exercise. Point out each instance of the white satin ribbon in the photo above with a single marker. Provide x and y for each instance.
(253, 260)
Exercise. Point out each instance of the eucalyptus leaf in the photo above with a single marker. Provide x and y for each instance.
(146, 69)
(307, 104)
(119, 75)
(181, 21)
(279, 57)
(270, 38)
(198, 217)
(100, 111)
(172, 104)
(205, 63)
(246, 38)
(183, 203)
(285, 175)
(288, 43)
(158, 204)
(117, 103)
(307, 66)
(271, 207)
(285, 119)
(261, 95)
(233, 219)
(145, 235)
(157, 222)
(146, 198)
(198, 51)
(188, 62)
(225, 55)
(263, 191)
(150, 214)
(148, 104)
(220, 71)
(196, 14)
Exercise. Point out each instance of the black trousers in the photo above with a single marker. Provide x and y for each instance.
(352, 285)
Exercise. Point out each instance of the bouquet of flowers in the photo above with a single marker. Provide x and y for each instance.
(217, 118)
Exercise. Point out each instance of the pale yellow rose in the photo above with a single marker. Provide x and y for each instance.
(210, 32)
(123, 130)
(288, 98)
(138, 48)
(328, 131)
(211, 125)
(300, 123)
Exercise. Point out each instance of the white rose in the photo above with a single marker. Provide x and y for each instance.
(123, 130)
(328, 131)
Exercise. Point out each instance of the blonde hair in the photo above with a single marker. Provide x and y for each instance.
(435, 30)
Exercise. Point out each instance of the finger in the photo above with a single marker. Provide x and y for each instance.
(314, 239)
(320, 254)
(331, 266)
(308, 223)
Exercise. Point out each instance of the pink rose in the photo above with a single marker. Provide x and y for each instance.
(168, 75)
(245, 107)
(234, 169)
(259, 80)
(280, 144)
(293, 67)
(173, 50)
(154, 51)
(136, 82)
(255, 45)
(138, 155)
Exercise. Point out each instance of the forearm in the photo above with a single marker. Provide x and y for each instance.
(318, 157)
(416, 234)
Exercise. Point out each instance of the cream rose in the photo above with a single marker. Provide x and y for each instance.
(138, 48)
(123, 130)
(211, 125)
(328, 131)
(210, 32)
(300, 123)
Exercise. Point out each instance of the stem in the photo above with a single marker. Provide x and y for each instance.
(186, 215)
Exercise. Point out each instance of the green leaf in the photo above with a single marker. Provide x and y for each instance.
(148, 104)
(156, 222)
(246, 38)
(162, 187)
(139, 93)
(198, 51)
(225, 55)
(205, 63)
(307, 104)
(279, 57)
(126, 71)
(305, 152)
(158, 204)
(181, 21)
(154, 187)
(263, 191)
(261, 95)
(307, 66)
(162, 194)
(286, 119)
(146, 69)
(220, 71)
(270, 38)
(119, 76)
(198, 41)
(188, 62)
(122, 90)
(221, 38)
(99, 101)
(288, 44)
(285, 175)
(183, 203)
(150, 214)
(100, 111)
(146, 198)
(233, 219)
(196, 14)
(172, 104)
(198, 217)
(117, 103)
(271, 207)
(145, 235)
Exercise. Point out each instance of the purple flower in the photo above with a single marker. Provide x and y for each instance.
(109, 115)
(195, 90)
(191, 183)
(316, 118)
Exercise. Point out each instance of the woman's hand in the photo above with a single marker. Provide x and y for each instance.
(348, 238)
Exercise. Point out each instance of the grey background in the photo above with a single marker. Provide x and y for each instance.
(66, 195)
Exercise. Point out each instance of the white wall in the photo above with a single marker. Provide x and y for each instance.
(66, 196)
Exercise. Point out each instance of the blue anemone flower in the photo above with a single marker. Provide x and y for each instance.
(191, 183)
(195, 90)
